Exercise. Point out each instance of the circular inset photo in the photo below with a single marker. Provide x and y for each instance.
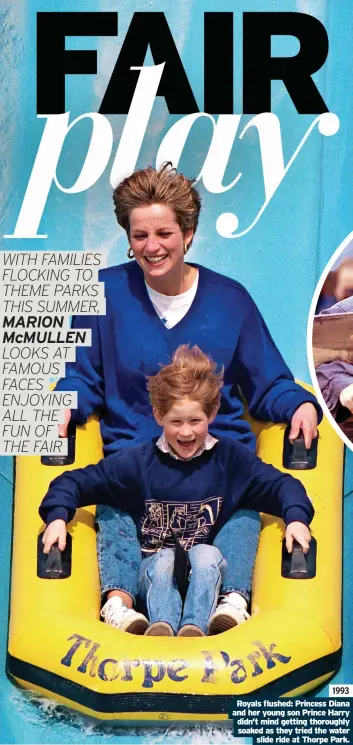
(330, 340)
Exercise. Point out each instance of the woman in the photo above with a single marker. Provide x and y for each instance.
(154, 304)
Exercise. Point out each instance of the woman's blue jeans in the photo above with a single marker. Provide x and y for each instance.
(160, 596)
(119, 552)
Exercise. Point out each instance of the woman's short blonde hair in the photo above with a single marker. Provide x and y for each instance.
(191, 374)
(166, 186)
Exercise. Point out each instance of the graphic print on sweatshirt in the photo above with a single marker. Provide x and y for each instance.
(191, 523)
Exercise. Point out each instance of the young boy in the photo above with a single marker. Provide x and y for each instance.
(185, 483)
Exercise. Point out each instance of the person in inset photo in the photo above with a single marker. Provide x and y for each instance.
(338, 284)
(334, 367)
(335, 376)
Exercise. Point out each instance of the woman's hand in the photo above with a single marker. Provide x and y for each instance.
(63, 427)
(346, 397)
(305, 419)
(299, 532)
(54, 533)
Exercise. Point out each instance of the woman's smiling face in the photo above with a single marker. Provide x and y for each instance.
(157, 240)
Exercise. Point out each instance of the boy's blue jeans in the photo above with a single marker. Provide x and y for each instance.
(119, 552)
(160, 596)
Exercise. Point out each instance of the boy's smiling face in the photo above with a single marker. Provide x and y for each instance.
(185, 427)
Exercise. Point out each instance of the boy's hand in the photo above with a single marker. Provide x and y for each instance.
(63, 427)
(305, 419)
(54, 533)
(299, 532)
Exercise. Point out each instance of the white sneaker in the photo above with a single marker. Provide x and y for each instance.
(231, 611)
(115, 613)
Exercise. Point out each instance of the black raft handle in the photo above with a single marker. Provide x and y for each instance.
(295, 455)
(56, 564)
(299, 565)
(63, 460)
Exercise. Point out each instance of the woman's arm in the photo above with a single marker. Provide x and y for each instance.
(85, 375)
(265, 379)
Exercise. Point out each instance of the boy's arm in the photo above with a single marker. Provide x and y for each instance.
(112, 481)
(268, 490)
(263, 376)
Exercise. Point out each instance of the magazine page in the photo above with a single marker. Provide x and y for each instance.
(176, 220)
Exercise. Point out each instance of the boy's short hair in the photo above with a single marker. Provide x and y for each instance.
(191, 374)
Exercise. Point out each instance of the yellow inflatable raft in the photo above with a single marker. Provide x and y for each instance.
(59, 648)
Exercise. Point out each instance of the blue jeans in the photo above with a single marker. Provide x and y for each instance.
(119, 553)
(237, 541)
(158, 591)
(118, 549)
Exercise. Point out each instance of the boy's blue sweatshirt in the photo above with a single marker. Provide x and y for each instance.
(194, 498)
(131, 342)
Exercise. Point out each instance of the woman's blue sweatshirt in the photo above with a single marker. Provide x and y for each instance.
(131, 342)
(194, 498)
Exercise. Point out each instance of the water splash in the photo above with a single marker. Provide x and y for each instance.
(52, 720)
